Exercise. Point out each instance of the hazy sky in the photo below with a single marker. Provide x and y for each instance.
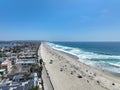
(69, 20)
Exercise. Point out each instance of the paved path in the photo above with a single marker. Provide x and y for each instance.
(46, 80)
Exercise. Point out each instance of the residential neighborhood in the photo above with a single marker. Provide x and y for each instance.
(19, 66)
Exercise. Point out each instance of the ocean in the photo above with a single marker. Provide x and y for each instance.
(6, 45)
(102, 55)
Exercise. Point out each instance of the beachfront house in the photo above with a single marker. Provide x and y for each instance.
(20, 83)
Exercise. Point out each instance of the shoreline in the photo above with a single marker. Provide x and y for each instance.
(110, 73)
(62, 59)
(77, 59)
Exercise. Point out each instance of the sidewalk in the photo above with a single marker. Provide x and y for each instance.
(46, 80)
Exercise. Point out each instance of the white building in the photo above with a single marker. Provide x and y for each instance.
(26, 62)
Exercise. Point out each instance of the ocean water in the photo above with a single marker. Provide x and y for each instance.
(103, 55)
(7, 45)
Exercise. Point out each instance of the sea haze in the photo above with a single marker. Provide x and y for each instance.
(103, 55)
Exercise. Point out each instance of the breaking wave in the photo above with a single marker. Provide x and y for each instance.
(107, 62)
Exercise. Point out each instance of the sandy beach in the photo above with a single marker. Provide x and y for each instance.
(66, 73)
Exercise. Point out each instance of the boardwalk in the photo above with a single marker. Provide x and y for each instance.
(45, 77)
(46, 80)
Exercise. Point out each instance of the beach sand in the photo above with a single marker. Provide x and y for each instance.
(67, 73)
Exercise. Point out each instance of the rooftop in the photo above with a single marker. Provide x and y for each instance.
(26, 61)
(5, 63)
(2, 70)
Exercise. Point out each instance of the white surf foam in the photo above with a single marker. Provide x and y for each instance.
(86, 57)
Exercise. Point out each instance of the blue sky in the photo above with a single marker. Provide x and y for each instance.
(60, 20)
